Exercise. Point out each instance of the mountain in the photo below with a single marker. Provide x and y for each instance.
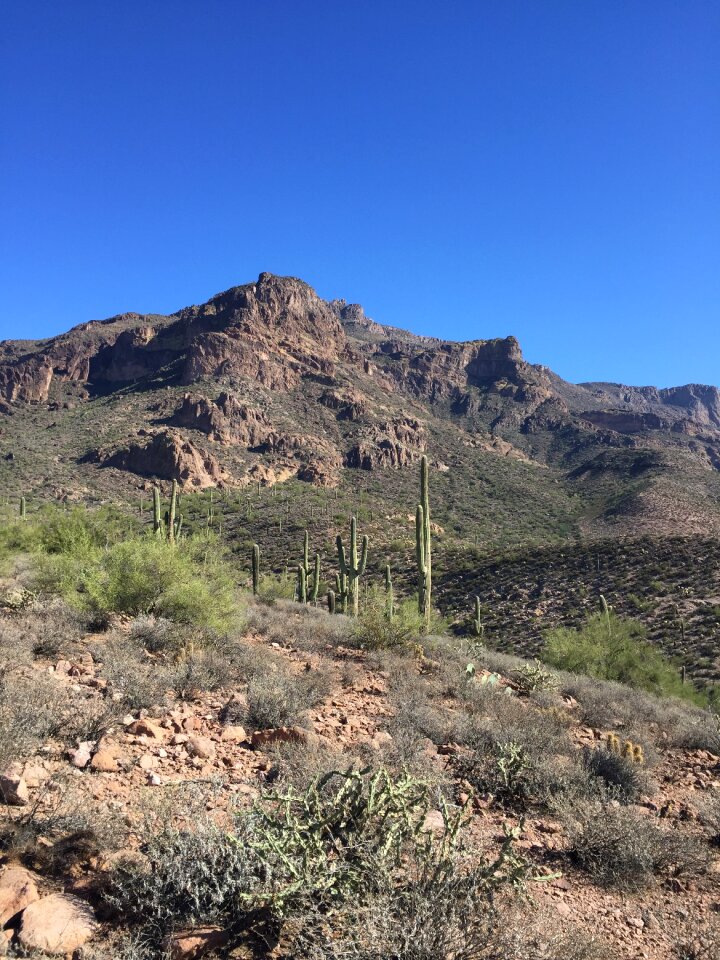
(268, 383)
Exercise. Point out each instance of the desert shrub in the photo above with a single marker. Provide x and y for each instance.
(300, 625)
(198, 672)
(65, 830)
(31, 708)
(185, 876)
(619, 848)
(352, 835)
(47, 629)
(624, 779)
(279, 699)
(610, 648)
(158, 634)
(522, 759)
(188, 583)
(377, 631)
(139, 681)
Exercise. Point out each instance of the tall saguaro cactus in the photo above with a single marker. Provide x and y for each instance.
(311, 575)
(255, 569)
(171, 513)
(389, 596)
(23, 508)
(352, 566)
(423, 547)
(157, 518)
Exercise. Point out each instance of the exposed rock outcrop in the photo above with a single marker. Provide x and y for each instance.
(395, 443)
(226, 419)
(168, 456)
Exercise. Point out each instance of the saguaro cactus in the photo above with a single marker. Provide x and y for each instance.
(312, 576)
(301, 584)
(423, 549)
(352, 567)
(171, 513)
(331, 601)
(341, 590)
(477, 624)
(157, 518)
(389, 596)
(23, 508)
(255, 569)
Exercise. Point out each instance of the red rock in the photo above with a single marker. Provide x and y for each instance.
(17, 891)
(190, 944)
(13, 789)
(233, 733)
(202, 747)
(56, 924)
(147, 728)
(105, 761)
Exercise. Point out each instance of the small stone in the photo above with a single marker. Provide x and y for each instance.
(434, 822)
(202, 747)
(234, 733)
(146, 762)
(56, 924)
(190, 944)
(147, 728)
(80, 758)
(154, 780)
(104, 762)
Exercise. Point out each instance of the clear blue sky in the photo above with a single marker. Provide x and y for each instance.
(546, 168)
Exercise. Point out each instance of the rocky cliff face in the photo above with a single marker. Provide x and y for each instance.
(268, 381)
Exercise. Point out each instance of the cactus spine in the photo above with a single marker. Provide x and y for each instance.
(352, 566)
(389, 596)
(423, 544)
(255, 569)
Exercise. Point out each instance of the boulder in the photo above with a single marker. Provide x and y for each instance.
(13, 789)
(56, 924)
(17, 891)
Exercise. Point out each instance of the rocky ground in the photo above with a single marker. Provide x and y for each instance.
(78, 802)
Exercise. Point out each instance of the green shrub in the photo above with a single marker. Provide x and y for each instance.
(377, 631)
(610, 648)
(188, 583)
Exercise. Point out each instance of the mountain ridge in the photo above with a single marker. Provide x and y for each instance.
(267, 382)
